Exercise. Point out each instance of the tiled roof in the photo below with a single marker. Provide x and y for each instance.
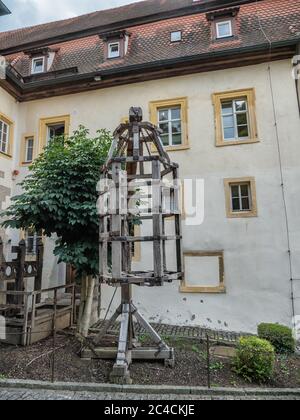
(257, 24)
(92, 20)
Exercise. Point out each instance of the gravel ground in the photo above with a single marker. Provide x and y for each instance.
(35, 362)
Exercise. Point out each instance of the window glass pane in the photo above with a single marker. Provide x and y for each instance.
(241, 105)
(176, 36)
(176, 127)
(4, 133)
(38, 65)
(235, 191)
(177, 139)
(227, 108)
(176, 113)
(165, 139)
(164, 127)
(228, 121)
(246, 203)
(55, 131)
(245, 190)
(243, 131)
(236, 204)
(163, 115)
(224, 29)
(29, 150)
(242, 119)
(114, 50)
(229, 133)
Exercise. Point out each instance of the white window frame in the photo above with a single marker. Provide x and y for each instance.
(6, 142)
(235, 113)
(223, 22)
(169, 122)
(249, 196)
(113, 54)
(27, 139)
(33, 71)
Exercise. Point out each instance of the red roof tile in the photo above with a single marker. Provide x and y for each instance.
(257, 23)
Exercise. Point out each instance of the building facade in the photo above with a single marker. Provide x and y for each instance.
(220, 79)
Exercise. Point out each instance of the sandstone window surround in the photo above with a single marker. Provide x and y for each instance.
(6, 136)
(49, 127)
(171, 116)
(209, 262)
(235, 117)
(27, 150)
(240, 197)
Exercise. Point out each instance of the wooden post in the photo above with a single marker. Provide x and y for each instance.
(19, 283)
(54, 335)
(25, 325)
(157, 219)
(39, 274)
(2, 285)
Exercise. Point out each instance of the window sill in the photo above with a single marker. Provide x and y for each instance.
(26, 163)
(242, 215)
(6, 155)
(177, 148)
(237, 142)
(206, 290)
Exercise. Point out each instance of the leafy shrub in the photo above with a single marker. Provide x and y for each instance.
(279, 336)
(255, 359)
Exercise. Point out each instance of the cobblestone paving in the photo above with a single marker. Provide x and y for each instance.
(178, 332)
(42, 395)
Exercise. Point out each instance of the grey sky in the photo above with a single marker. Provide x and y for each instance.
(34, 12)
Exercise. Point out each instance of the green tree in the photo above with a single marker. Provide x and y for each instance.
(59, 197)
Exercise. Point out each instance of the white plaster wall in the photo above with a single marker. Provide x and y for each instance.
(257, 270)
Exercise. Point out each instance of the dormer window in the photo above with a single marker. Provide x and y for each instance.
(224, 23)
(114, 50)
(224, 29)
(115, 44)
(38, 65)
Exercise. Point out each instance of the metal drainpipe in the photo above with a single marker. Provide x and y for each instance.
(297, 79)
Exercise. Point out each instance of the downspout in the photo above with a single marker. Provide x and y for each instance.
(296, 72)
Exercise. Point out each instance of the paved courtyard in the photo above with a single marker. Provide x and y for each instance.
(8, 394)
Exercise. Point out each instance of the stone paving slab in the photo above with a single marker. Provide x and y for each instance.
(8, 394)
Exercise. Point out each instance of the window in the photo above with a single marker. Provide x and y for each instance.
(38, 65)
(52, 127)
(55, 130)
(171, 117)
(114, 50)
(31, 240)
(235, 117)
(6, 135)
(204, 272)
(240, 197)
(27, 151)
(176, 36)
(224, 29)
(169, 121)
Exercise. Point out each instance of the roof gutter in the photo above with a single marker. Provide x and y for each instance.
(24, 88)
